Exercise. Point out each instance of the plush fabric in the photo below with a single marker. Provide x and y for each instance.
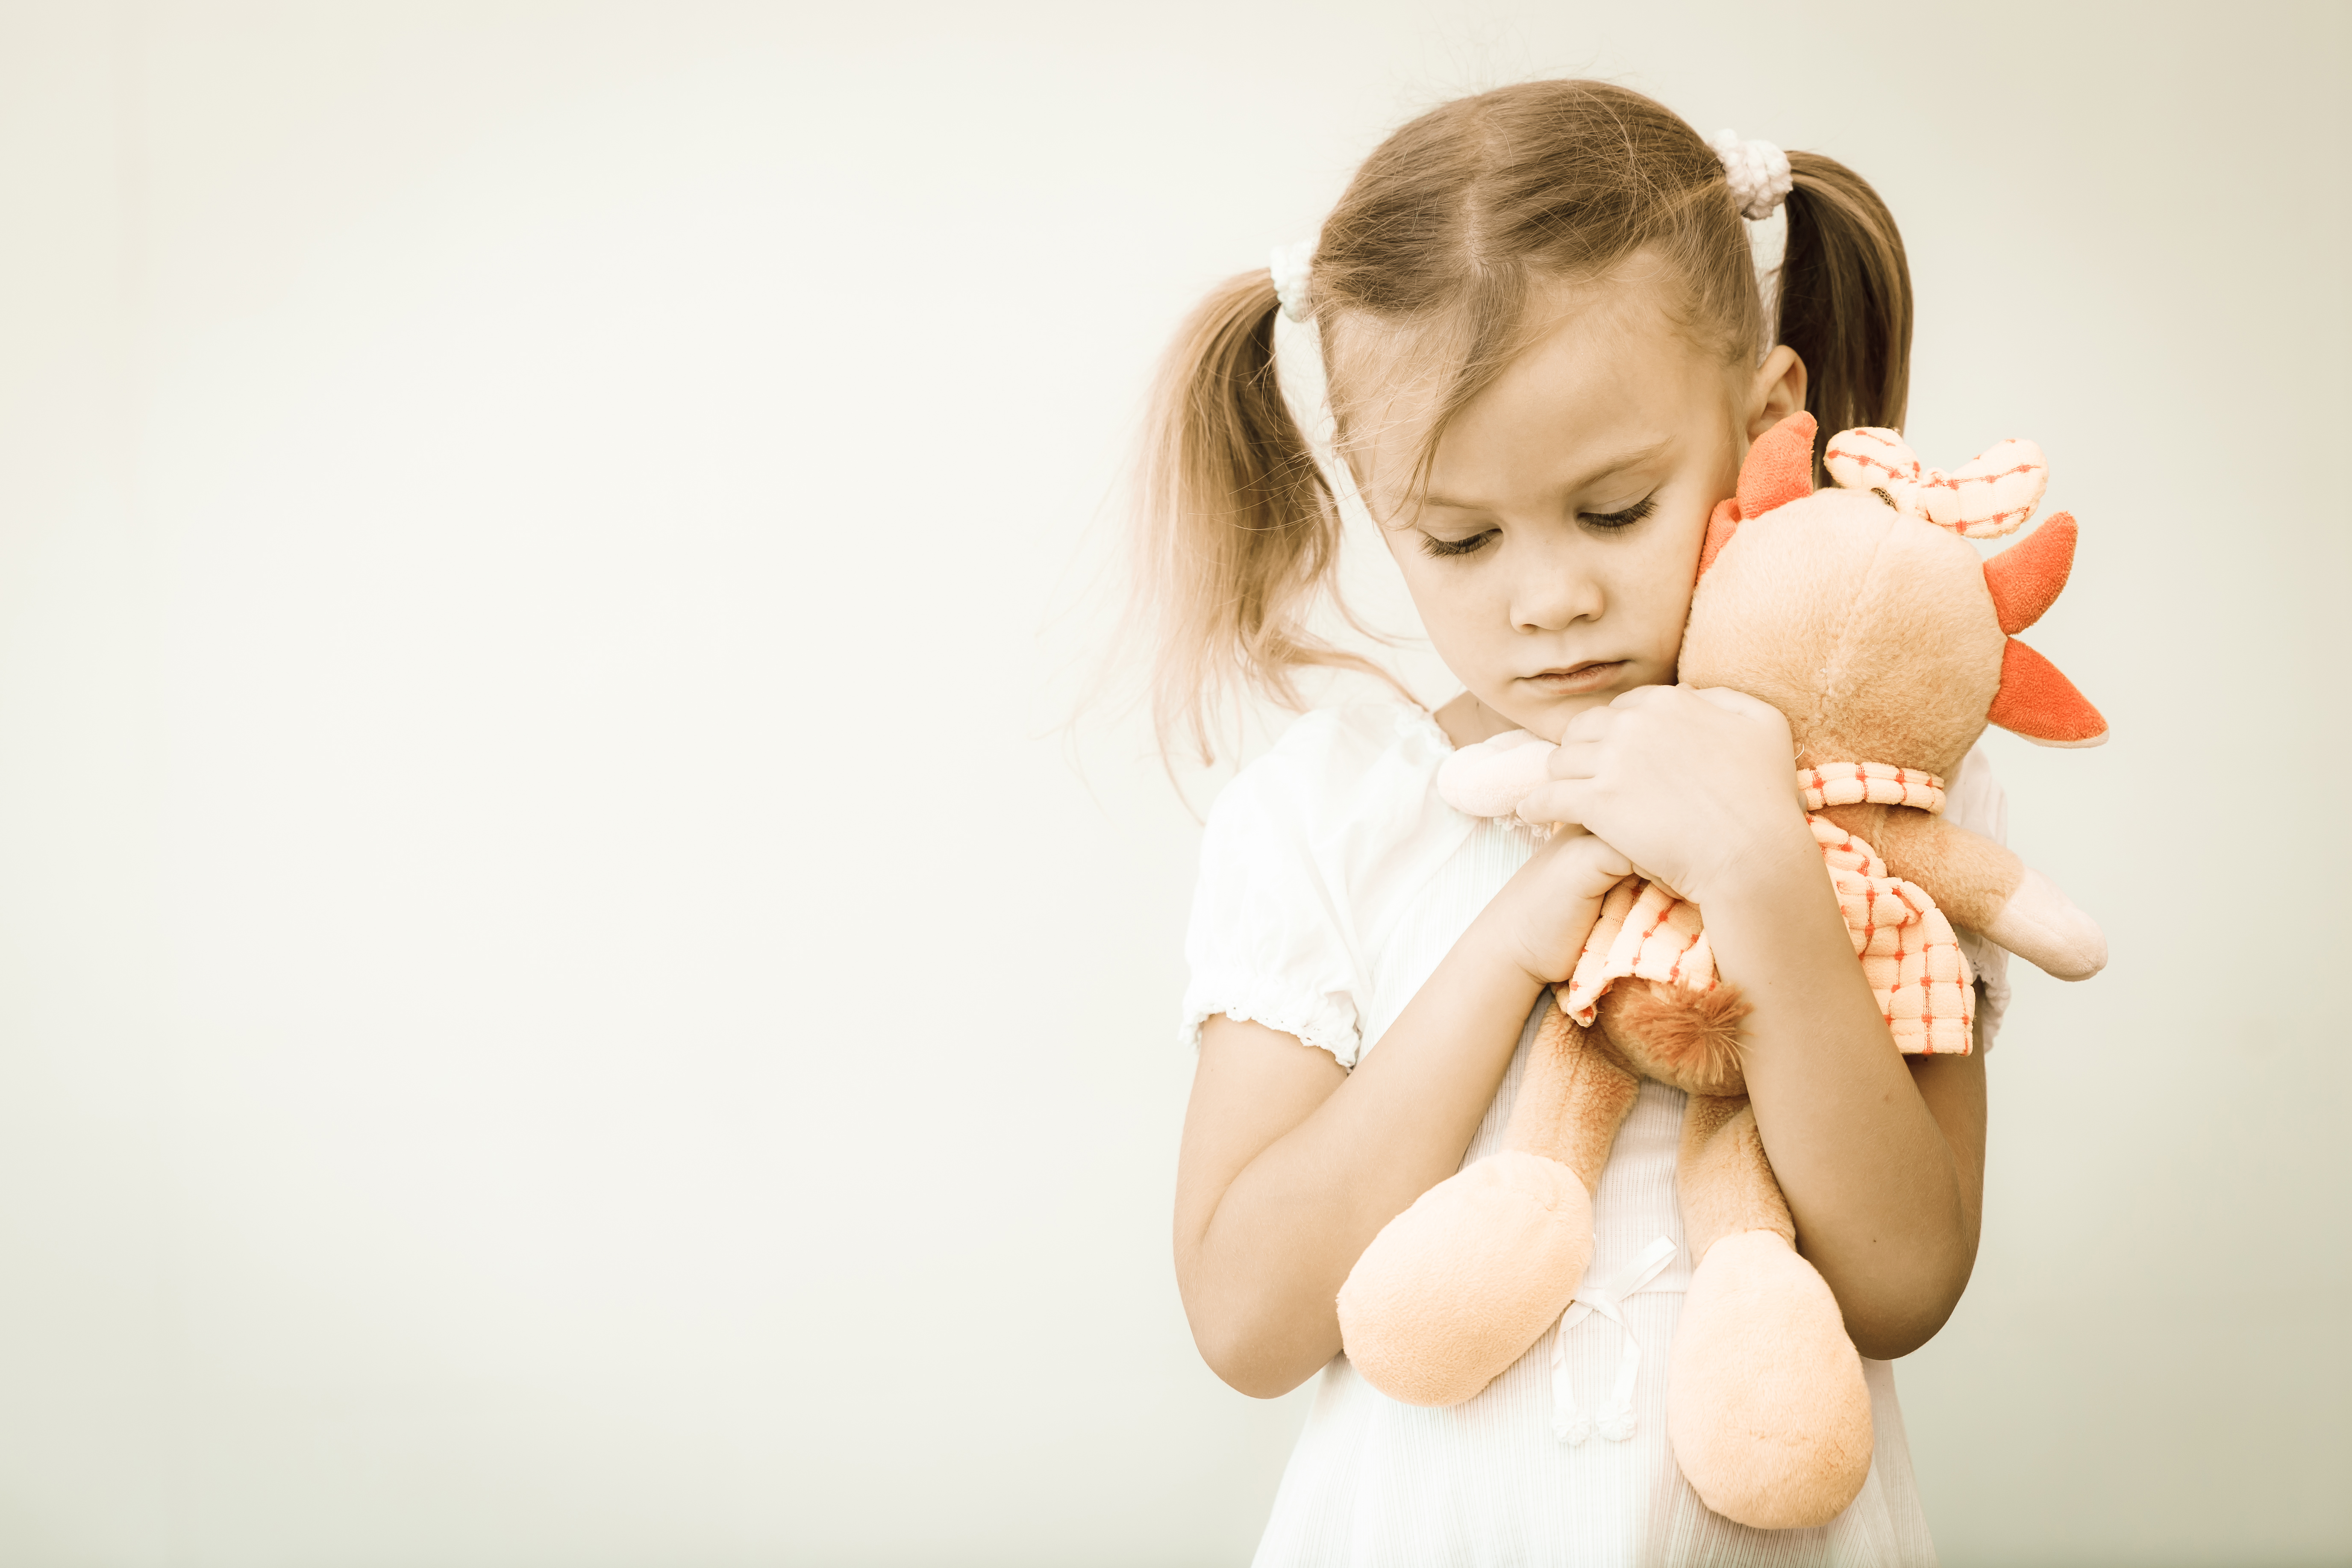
(1687, 1037)
(2040, 703)
(1866, 618)
(1499, 1457)
(1457, 1287)
(2040, 922)
(1725, 1178)
(1981, 499)
(1720, 526)
(2026, 578)
(1972, 875)
(1868, 784)
(1572, 1100)
(1778, 468)
(1906, 946)
(1766, 1405)
(1492, 777)
(1872, 631)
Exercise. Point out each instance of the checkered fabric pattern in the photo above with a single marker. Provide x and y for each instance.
(1908, 953)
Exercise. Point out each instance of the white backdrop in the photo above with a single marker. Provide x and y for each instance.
(564, 999)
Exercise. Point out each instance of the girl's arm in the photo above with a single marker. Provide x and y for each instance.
(1880, 1156)
(1291, 1164)
(1881, 1162)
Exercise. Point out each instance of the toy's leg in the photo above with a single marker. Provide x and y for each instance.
(1766, 1407)
(1455, 1288)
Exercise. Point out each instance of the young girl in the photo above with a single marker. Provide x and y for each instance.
(1546, 350)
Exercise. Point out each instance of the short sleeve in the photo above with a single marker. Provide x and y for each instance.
(1975, 800)
(1299, 858)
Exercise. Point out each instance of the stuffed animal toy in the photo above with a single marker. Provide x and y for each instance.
(1864, 617)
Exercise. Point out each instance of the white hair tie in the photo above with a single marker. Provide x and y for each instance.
(1758, 173)
(1761, 181)
(1290, 264)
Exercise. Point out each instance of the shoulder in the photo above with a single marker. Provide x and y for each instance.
(1309, 854)
(1338, 768)
(1341, 821)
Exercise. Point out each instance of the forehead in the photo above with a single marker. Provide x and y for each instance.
(1607, 368)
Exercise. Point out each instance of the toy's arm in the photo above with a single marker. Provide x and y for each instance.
(1982, 886)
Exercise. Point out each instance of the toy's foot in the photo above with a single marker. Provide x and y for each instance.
(1455, 1288)
(1766, 1407)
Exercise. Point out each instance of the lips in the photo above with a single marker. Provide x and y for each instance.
(1574, 679)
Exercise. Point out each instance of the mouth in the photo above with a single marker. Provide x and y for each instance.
(1576, 679)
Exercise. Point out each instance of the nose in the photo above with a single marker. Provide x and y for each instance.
(1550, 592)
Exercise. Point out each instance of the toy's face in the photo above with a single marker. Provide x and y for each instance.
(1552, 550)
(1873, 632)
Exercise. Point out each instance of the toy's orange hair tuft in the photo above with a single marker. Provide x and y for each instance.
(1778, 468)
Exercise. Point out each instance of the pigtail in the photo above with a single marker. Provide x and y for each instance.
(1239, 533)
(1845, 301)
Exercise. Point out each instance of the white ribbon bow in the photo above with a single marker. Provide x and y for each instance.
(1568, 1422)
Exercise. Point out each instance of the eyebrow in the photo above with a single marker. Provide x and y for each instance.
(1601, 470)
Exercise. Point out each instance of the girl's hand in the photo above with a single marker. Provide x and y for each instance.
(1547, 908)
(1694, 786)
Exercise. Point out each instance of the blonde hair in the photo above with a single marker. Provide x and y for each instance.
(1442, 235)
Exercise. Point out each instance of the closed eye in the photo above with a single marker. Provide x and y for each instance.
(1624, 521)
(1444, 547)
(1609, 521)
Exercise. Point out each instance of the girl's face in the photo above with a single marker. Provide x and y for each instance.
(1553, 552)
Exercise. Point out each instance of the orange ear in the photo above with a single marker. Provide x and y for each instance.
(1779, 467)
(1719, 530)
(2026, 577)
(2037, 702)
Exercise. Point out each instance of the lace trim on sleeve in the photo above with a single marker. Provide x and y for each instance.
(1328, 1026)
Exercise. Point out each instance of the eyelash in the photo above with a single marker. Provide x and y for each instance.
(1612, 520)
(1607, 521)
(1448, 547)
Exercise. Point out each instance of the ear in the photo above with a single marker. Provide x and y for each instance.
(1778, 391)
(1779, 468)
(2026, 577)
(2037, 702)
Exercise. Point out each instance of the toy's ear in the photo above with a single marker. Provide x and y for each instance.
(2039, 703)
(2026, 577)
(1778, 469)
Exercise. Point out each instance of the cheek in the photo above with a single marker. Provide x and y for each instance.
(1438, 595)
(1457, 610)
(1659, 578)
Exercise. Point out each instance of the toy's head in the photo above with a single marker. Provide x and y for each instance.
(1862, 613)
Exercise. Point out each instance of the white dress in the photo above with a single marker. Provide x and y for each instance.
(1333, 880)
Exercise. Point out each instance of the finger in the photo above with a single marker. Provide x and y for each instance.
(1649, 876)
(1645, 697)
(1738, 702)
(1562, 800)
(1591, 724)
(1605, 859)
(1574, 760)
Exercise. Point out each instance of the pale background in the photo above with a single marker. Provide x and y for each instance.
(564, 999)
